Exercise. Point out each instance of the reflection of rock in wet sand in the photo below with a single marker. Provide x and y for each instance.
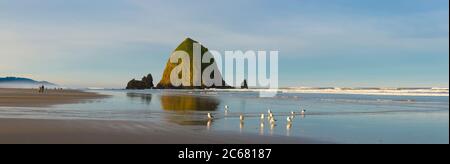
(185, 106)
(186, 103)
(145, 98)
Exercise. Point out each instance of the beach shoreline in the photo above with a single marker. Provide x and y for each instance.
(78, 131)
(155, 117)
(34, 131)
(32, 98)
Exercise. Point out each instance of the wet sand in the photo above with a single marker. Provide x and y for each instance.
(29, 131)
(48, 131)
(31, 97)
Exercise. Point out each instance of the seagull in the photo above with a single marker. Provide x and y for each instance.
(226, 110)
(241, 118)
(303, 112)
(262, 116)
(273, 120)
(270, 117)
(210, 116)
(292, 113)
(289, 120)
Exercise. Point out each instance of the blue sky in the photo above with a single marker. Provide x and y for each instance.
(347, 43)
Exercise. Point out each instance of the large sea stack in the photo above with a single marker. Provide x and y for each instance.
(187, 46)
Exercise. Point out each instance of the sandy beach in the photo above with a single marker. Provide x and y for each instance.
(70, 131)
(29, 131)
(180, 117)
(31, 97)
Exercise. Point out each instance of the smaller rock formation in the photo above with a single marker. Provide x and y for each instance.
(148, 81)
(244, 85)
(145, 83)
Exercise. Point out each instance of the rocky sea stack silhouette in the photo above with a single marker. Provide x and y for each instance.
(244, 85)
(145, 83)
(187, 46)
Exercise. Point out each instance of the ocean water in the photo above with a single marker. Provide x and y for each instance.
(336, 118)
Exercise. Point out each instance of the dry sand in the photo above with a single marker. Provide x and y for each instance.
(31, 97)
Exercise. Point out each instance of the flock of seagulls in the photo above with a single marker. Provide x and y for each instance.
(270, 117)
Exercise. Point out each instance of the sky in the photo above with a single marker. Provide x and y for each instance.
(343, 43)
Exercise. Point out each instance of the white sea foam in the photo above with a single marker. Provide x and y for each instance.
(356, 91)
(374, 91)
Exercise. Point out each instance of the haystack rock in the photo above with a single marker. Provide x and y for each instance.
(188, 46)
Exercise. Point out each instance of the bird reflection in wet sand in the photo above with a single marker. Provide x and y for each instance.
(272, 128)
(241, 126)
(208, 125)
(186, 109)
(288, 129)
(261, 128)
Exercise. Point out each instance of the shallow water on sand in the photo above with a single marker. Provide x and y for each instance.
(330, 117)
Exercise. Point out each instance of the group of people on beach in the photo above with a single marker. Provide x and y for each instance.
(42, 89)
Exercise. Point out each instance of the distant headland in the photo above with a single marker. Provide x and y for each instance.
(20, 82)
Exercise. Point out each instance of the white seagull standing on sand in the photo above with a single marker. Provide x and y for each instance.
(289, 120)
(303, 112)
(273, 120)
(226, 108)
(210, 116)
(269, 115)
